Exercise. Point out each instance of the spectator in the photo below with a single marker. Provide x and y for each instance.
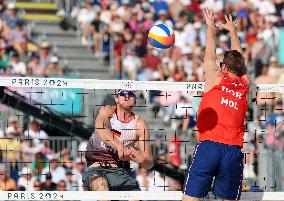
(28, 151)
(184, 112)
(18, 35)
(118, 47)
(274, 127)
(265, 99)
(37, 185)
(6, 182)
(174, 155)
(18, 67)
(131, 64)
(216, 5)
(35, 133)
(61, 186)
(57, 171)
(66, 159)
(45, 54)
(152, 63)
(54, 69)
(10, 16)
(82, 149)
(38, 164)
(97, 33)
(34, 66)
(125, 11)
(11, 146)
(116, 25)
(273, 69)
(160, 5)
(48, 185)
(13, 122)
(26, 179)
(163, 19)
(71, 185)
(4, 58)
(85, 17)
(25, 50)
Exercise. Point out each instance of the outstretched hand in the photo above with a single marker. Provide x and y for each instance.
(209, 17)
(230, 25)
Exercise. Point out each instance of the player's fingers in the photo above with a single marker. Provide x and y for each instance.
(231, 18)
(219, 25)
(235, 22)
(205, 13)
(226, 18)
(211, 13)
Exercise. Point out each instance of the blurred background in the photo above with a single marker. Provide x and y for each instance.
(44, 131)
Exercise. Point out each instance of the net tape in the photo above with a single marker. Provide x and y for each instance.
(123, 195)
(119, 84)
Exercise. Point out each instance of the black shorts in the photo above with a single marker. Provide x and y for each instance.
(118, 178)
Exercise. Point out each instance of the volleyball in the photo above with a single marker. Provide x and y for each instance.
(161, 37)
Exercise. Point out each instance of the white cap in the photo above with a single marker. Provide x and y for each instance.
(155, 75)
(51, 157)
(223, 38)
(186, 50)
(197, 25)
(11, 5)
(273, 59)
(54, 59)
(10, 129)
(26, 171)
(219, 51)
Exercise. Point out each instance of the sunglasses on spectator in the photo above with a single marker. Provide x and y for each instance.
(127, 93)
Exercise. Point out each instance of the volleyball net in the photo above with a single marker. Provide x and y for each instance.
(66, 110)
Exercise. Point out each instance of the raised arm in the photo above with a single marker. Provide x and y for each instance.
(210, 67)
(230, 26)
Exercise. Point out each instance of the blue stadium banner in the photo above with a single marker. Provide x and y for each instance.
(66, 101)
(281, 46)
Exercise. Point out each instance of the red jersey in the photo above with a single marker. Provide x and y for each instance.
(222, 111)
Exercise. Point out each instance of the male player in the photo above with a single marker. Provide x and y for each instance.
(111, 147)
(220, 120)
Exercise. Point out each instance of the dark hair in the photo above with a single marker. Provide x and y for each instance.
(235, 62)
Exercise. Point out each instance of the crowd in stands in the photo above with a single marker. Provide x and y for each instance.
(127, 23)
(29, 163)
(19, 55)
(118, 29)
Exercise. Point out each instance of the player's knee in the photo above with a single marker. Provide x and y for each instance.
(99, 184)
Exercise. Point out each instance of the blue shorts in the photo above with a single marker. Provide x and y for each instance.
(219, 161)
